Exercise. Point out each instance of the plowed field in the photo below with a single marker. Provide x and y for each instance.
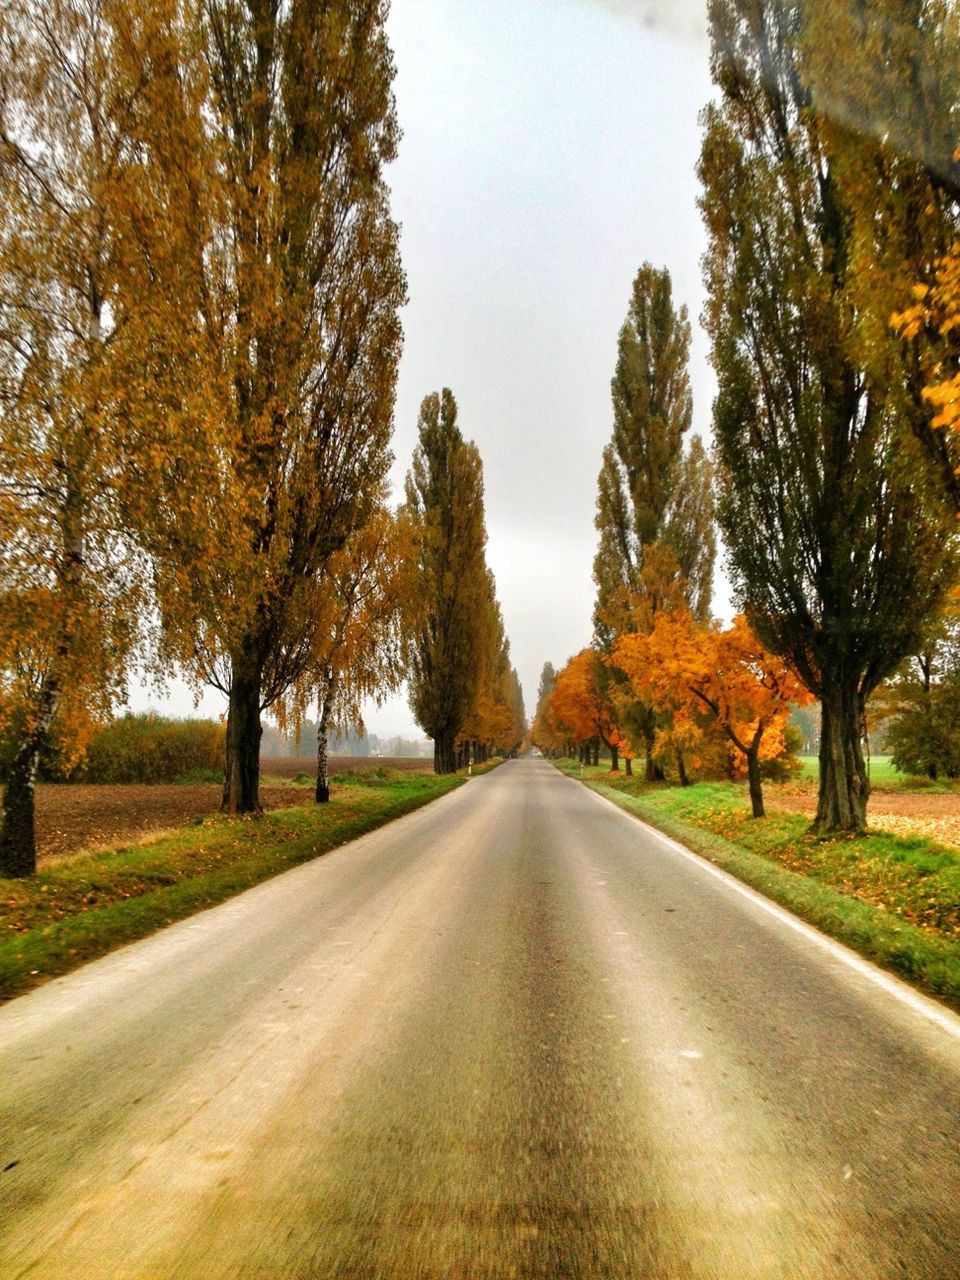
(72, 816)
(293, 766)
(905, 813)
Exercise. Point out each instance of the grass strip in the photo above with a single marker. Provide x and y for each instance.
(861, 891)
(86, 905)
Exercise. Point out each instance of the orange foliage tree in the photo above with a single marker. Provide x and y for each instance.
(546, 733)
(935, 317)
(686, 668)
(579, 704)
(496, 723)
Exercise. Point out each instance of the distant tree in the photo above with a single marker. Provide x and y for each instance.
(496, 721)
(924, 738)
(839, 549)
(806, 723)
(649, 491)
(919, 707)
(444, 492)
(545, 733)
(654, 504)
(357, 638)
(580, 703)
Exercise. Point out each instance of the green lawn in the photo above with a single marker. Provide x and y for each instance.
(894, 899)
(882, 775)
(87, 904)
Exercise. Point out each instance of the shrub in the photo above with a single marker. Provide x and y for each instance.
(150, 748)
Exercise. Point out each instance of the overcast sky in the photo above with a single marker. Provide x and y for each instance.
(548, 149)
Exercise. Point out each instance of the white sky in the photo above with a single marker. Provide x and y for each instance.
(549, 148)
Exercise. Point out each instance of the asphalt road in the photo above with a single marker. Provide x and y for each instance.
(514, 1034)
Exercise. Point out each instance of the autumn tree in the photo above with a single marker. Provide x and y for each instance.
(839, 549)
(546, 733)
(295, 337)
(654, 503)
(444, 499)
(931, 323)
(496, 719)
(357, 640)
(81, 225)
(885, 78)
(692, 669)
(579, 702)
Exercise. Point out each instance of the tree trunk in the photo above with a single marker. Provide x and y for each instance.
(322, 793)
(614, 759)
(18, 841)
(652, 770)
(596, 753)
(444, 754)
(754, 780)
(241, 783)
(682, 770)
(628, 764)
(844, 785)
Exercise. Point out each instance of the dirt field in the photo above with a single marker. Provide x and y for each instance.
(905, 813)
(73, 816)
(293, 766)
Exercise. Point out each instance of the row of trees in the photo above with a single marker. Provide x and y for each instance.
(830, 197)
(464, 692)
(199, 336)
(659, 680)
(200, 288)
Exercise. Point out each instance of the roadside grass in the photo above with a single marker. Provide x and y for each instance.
(485, 766)
(894, 899)
(86, 905)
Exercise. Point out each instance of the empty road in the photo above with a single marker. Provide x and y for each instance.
(514, 1034)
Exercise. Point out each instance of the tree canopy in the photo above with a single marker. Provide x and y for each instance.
(839, 548)
(444, 492)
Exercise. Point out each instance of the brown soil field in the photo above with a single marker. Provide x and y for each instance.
(72, 816)
(906, 813)
(292, 766)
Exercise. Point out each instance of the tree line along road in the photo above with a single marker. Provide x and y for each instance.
(513, 1034)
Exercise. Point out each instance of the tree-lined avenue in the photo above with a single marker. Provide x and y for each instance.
(513, 1034)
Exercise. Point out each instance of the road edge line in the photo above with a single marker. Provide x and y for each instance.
(915, 1000)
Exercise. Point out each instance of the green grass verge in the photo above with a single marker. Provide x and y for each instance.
(86, 905)
(883, 776)
(895, 900)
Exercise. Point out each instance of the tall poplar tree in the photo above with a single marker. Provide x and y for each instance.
(654, 503)
(839, 547)
(444, 492)
(296, 337)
